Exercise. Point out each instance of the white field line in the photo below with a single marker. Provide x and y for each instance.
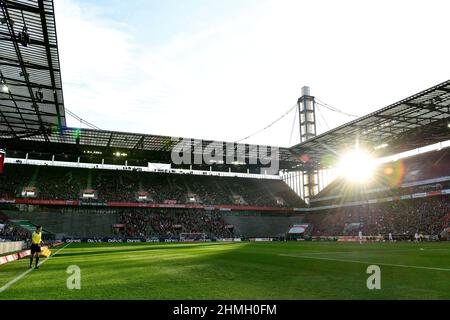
(9, 284)
(365, 262)
(377, 251)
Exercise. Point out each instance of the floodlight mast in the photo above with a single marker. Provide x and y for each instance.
(307, 120)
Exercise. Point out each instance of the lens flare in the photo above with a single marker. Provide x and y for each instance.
(394, 173)
(357, 166)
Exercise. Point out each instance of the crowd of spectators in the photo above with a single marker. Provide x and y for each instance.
(428, 216)
(172, 222)
(58, 183)
(393, 179)
(12, 232)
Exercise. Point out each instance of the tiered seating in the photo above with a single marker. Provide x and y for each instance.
(58, 183)
(406, 217)
(405, 176)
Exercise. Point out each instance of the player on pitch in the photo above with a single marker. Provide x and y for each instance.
(36, 241)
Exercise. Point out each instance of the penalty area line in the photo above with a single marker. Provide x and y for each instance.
(365, 262)
(16, 279)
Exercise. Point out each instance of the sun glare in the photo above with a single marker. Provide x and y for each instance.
(357, 166)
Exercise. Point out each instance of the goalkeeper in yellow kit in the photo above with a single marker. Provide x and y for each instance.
(36, 241)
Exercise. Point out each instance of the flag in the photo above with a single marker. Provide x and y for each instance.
(45, 252)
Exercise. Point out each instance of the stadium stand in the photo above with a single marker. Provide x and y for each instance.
(422, 173)
(12, 232)
(58, 183)
(69, 222)
(171, 222)
(403, 218)
(152, 222)
(256, 224)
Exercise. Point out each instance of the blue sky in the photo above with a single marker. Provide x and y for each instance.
(223, 69)
(154, 22)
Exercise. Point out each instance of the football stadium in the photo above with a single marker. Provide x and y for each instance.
(361, 211)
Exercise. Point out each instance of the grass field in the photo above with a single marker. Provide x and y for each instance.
(306, 270)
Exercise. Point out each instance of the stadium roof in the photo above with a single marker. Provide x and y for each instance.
(417, 121)
(100, 140)
(32, 114)
(31, 98)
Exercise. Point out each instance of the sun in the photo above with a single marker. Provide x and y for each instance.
(357, 166)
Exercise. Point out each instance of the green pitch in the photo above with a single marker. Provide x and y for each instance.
(278, 270)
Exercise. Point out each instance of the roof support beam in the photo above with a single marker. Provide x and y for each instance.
(109, 140)
(20, 6)
(431, 107)
(32, 41)
(14, 63)
(49, 58)
(28, 84)
(139, 144)
(20, 60)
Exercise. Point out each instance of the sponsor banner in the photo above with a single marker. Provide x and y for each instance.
(134, 240)
(419, 195)
(14, 256)
(93, 204)
(131, 204)
(195, 240)
(143, 205)
(22, 254)
(154, 205)
(253, 208)
(177, 206)
(356, 238)
(112, 240)
(228, 239)
(6, 201)
(93, 240)
(7, 247)
(171, 240)
(67, 240)
(107, 240)
(224, 239)
(348, 239)
(261, 239)
(224, 208)
(39, 202)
